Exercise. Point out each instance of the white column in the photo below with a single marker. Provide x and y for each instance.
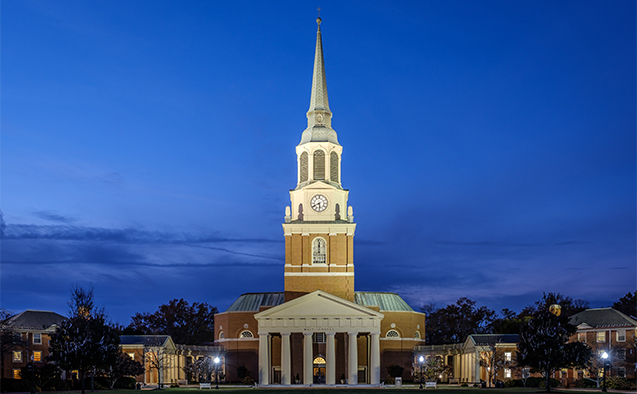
(374, 371)
(307, 358)
(352, 366)
(286, 363)
(264, 359)
(330, 362)
(477, 366)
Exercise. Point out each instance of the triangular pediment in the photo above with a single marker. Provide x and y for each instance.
(318, 304)
(318, 185)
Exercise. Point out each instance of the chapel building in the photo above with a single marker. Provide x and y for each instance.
(319, 330)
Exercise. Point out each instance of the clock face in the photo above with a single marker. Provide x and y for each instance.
(319, 203)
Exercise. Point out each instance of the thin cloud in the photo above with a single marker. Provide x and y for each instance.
(53, 216)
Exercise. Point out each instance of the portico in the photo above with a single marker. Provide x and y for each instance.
(320, 312)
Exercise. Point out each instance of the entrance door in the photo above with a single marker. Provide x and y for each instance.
(319, 370)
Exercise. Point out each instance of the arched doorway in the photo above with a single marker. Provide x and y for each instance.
(319, 370)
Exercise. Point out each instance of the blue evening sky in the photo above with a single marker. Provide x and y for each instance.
(148, 147)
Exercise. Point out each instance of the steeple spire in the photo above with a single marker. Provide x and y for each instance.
(318, 101)
(319, 116)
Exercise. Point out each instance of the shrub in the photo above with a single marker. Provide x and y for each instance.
(464, 385)
(514, 383)
(125, 382)
(552, 382)
(13, 385)
(248, 380)
(585, 384)
(617, 383)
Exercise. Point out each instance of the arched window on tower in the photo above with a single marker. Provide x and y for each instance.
(319, 165)
(334, 167)
(303, 167)
(319, 251)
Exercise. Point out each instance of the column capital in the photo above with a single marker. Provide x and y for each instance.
(307, 333)
(285, 333)
(263, 333)
(330, 333)
(353, 333)
(374, 333)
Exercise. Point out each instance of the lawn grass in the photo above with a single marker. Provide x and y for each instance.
(341, 390)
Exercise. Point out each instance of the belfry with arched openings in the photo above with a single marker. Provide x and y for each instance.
(319, 330)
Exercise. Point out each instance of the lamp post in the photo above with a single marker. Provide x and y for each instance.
(217, 372)
(605, 358)
(421, 360)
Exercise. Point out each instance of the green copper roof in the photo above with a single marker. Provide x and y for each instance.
(387, 302)
(250, 302)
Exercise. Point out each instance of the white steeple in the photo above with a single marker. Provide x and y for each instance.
(319, 117)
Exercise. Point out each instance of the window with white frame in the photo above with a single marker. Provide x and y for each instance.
(37, 339)
(17, 356)
(417, 335)
(246, 334)
(319, 251)
(601, 336)
(392, 334)
(319, 337)
(621, 372)
(581, 337)
(507, 373)
(507, 356)
(621, 336)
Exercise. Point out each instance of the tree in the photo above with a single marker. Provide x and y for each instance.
(9, 339)
(432, 368)
(186, 324)
(201, 370)
(125, 366)
(453, 323)
(494, 360)
(569, 306)
(157, 357)
(545, 348)
(85, 341)
(627, 304)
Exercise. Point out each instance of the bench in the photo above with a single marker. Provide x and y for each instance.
(430, 384)
(205, 386)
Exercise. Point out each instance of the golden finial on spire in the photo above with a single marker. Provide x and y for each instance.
(318, 20)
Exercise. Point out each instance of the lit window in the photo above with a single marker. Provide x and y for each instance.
(319, 337)
(601, 336)
(507, 356)
(621, 336)
(507, 372)
(16, 374)
(392, 334)
(37, 357)
(319, 165)
(132, 356)
(246, 334)
(319, 251)
(37, 339)
(17, 356)
(581, 337)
